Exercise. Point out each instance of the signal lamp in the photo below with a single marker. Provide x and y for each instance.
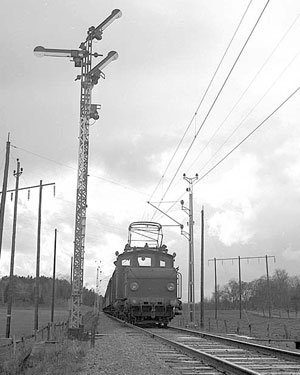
(96, 76)
(96, 72)
(94, 111)
(77, 62)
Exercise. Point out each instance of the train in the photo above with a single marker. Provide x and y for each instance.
(145, 287)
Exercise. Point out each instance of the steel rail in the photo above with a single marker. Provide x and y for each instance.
(218, 363)
(282, 353)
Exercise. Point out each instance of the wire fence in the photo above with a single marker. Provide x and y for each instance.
(253, 326)
(18, 350)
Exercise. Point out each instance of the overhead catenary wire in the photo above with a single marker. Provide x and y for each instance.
(75, 169)
(217, 96)
(251, 110)
(248, 135)
(249, 85)
(241, 142)
(202, 99)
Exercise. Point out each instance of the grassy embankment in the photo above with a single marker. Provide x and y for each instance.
(65, 358)
(22, 322)
(254, 324)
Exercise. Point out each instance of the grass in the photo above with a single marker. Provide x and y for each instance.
(22, 322)
(64, 360)
(253, 324)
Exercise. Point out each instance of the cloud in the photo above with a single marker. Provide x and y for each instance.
(167, 55)
(291, 254)
(132, 157)
(230, 227)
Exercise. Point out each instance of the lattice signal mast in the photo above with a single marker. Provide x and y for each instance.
(89, 77)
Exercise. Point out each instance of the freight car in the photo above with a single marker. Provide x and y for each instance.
(145, 287)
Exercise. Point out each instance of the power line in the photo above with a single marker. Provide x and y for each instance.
(202, 99)
(242, 141)
(217, 96)
(249, 134)
(251, 110)
(75, 169)
(249, 85)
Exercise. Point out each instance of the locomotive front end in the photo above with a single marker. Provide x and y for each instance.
(145, 287)
(152, 290)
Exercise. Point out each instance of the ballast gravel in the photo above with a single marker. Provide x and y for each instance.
(119, 350)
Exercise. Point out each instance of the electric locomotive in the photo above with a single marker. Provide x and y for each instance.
(145, 287)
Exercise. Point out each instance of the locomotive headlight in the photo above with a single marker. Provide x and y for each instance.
(171, 287)
(134, 286)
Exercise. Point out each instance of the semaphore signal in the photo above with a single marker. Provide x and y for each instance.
(89, 77)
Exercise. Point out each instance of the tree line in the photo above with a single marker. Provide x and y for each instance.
(280, 290)
(24, 291)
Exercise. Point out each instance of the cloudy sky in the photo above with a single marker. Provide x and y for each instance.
(169, 52)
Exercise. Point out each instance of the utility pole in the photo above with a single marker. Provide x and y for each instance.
(38, 256)
(53, 278)
(89, 78)
(191, 268)
(17, 174)
(240, 286)
(40, 186)
(216, 289)
(268, 288)
(4, 190)
(97, 294)
(202, 272)
(240, 278)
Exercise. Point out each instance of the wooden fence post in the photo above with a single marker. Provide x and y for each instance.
(286, 331)
(225, 324)
(14, 346)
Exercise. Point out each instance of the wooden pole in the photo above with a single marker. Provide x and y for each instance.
(4, 189)
(216, 290)
(202, 272)
(13, 248)
(240, 286)
(268, 287)
(53, 279)
(38, 256)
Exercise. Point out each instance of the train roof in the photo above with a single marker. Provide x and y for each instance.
(141, 233)
(145, 239)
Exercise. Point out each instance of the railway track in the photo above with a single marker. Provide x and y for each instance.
(230, 355)
(193, 352)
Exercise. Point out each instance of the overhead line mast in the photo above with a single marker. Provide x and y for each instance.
(89, 77)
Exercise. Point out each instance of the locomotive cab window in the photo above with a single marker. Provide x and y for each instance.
(126, 262)
(144, 261)
(165, 262)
